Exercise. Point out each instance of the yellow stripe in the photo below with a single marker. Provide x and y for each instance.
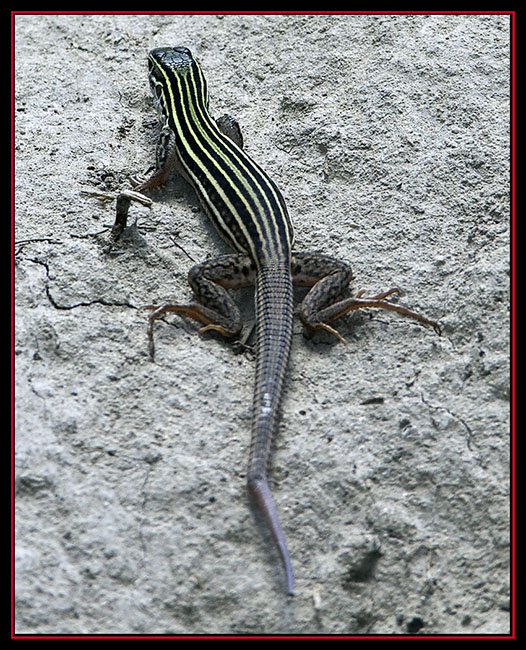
(237, 155)
(218, 157)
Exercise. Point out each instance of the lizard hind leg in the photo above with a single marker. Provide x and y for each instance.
(213, 307)
(379, 301)
(328, 279)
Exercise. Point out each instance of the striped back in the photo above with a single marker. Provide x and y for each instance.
(243, 202)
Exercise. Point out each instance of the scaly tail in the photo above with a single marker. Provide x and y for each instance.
(274, 311)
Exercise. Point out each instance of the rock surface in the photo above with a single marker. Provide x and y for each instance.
(389, 137)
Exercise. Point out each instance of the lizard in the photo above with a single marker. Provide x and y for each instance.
(249, 212)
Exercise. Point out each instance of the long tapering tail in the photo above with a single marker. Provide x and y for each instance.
(274, 311)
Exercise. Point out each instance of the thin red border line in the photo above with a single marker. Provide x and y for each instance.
(511, 13)
(512, 143)
(261, 636)
(12, 322)
(277, 636)
(273, 12)
(512, 179)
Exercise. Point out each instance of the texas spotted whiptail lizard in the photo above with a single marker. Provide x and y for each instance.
(248, 210)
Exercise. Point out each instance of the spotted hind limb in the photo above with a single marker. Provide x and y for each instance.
(328, 279)
(214, 306)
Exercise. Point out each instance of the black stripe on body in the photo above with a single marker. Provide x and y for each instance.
(242, 201)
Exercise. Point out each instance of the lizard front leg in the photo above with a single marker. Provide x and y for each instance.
(229, 126)
(214, 306)
(165, 161)
(324, 303)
